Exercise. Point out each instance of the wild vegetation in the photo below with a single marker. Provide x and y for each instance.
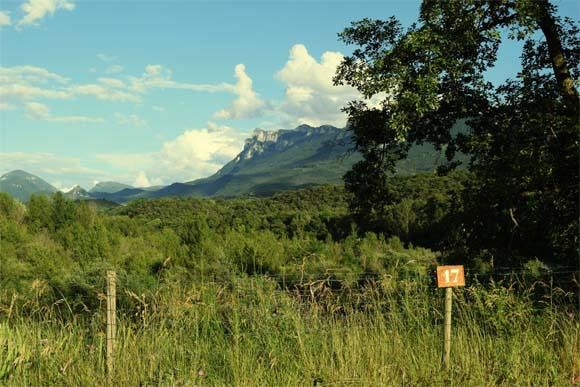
(281, 290)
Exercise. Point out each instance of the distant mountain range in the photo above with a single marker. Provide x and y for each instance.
(270, 161)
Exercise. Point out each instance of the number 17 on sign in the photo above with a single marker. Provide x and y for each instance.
(449, 277)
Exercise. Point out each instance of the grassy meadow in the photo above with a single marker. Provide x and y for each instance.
(251, 333)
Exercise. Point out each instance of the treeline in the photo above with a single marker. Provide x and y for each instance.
(57, 249)
(304, 234)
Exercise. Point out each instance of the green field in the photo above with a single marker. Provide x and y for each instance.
(249, 332)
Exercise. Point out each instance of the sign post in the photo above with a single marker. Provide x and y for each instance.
(111, 321)
(449, 277)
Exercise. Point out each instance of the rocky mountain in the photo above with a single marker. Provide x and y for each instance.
(280, 160)
(109, 187)
(21, 185)
(283, 159)
(78, 193)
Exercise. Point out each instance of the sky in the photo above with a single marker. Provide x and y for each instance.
(151, 92)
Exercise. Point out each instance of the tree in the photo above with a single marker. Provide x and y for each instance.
(63, 210)
(39, 212)
(523, 135)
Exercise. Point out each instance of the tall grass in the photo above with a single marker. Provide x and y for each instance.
(252, 332)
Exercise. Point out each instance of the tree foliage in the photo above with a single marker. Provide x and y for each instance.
(522, 136)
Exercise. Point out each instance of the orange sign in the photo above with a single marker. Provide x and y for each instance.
(450, 276)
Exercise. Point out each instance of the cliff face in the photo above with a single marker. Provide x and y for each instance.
(276, 160)
(263, 142)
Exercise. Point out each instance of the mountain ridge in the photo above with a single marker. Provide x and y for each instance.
(270, 161)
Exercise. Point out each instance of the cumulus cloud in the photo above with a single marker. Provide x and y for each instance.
(209, 148)
(310, 95)
(304, 71)
(142, 181)
(38, 111)
(36, 10)
(248, 104)
(5, 19)
(196, 153)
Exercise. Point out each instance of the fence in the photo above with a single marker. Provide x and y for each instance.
(332, 295)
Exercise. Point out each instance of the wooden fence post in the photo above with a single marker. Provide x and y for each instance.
(447, 325)
(111, 320)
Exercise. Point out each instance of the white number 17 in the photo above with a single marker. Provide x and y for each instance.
(453, 273)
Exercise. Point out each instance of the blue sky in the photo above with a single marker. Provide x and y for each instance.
(152, 92)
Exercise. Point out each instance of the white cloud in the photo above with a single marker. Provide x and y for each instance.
(5, 19)
(23, 83)
(159, 109)
(36, 10)
(211, 146)
(38, 111)
(114, 69)
(106, 89)
(29, 74)
(112, 82)
(248, 104)
(27, 92)
(193, 154)
(153, 70)
(159, 77)
(130, 119)
(310, 95)
(142, 180)
(303, 70)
